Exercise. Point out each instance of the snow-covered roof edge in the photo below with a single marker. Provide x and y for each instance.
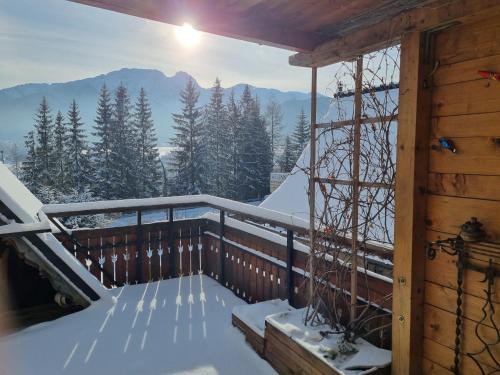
(24, 208)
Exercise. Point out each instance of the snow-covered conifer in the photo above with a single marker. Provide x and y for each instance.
(301, 134)
(122, 157)
(102, 146)
(79, 172)
(60, 156)
(44, 143)
(146, 150)
(188, 154)
(216, 141)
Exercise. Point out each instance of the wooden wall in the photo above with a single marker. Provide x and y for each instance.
(466, 109)
(442, 95)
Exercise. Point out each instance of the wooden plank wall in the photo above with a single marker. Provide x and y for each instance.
(465, 109)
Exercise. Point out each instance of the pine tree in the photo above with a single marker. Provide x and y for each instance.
(188, 156)
(146, 150)
(29, 174)
(60, 160)
(233, 162)
(79, 173)
(255, 151)
(244, 144)
(44, 143)
(122, 157)
(216, 140)
(263, 153)
(300, 136)
(102, 147)
(287, 160)
(274, 118)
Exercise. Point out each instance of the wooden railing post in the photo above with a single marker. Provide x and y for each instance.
(222, 253)
(289, 266)
(171, 258)
(138, 247)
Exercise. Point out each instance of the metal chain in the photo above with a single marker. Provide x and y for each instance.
(458, 328)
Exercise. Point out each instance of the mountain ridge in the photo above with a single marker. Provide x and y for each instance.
(19, 103)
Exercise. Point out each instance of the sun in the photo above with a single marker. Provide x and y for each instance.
(187, 35)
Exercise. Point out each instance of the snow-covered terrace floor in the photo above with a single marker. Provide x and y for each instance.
(177, 326)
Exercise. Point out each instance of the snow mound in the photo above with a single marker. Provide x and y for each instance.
(254, 316)
(176, 326)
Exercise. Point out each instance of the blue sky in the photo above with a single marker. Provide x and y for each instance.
(58, 41)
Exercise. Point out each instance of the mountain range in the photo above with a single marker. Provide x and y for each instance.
(19, 104)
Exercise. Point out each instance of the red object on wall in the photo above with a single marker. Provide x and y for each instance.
(489, 75)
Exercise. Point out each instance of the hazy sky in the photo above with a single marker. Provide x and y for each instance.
(58, 41)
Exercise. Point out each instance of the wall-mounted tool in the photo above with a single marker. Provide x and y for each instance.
(465, 248)
(494, 76)
(447, 144)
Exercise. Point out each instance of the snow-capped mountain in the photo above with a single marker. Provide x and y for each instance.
(18, 104)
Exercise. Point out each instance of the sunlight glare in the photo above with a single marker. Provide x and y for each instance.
(187, 35)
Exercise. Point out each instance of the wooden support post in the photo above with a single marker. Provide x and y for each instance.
(172, 258)
(222, 252)
(138, 247)
(411, 180)
(312, 181)
(289, 266)
(355, 184)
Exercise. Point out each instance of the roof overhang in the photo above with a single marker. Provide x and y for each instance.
(323, 32)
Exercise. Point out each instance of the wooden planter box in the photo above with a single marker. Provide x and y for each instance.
(256, 341)
(290, 358)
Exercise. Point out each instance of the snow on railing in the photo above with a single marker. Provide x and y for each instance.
(17, 229)
(127, 205)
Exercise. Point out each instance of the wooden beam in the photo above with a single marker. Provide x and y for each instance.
(364, 121)
(364, 184)
(312, 182)
(388, 32)
(411, 179)
(214, 19)
(355, 184)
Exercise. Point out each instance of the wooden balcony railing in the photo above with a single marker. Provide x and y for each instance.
(255, 263)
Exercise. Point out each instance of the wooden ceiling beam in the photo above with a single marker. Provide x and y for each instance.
(389, 32)
(224, 21)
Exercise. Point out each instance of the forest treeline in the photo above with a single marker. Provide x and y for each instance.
(226, 148)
